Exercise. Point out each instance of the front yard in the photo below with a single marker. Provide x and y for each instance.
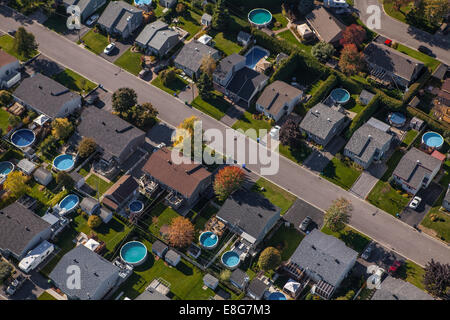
(352, 238)
(279, 197)
(340, 173)
(430, 62)
(215, 107)
(248, 122)
(130, 61)
(74, 81)
(175, 87)
(385, 197)
(297, 155)
(7, 45)
(95, 41)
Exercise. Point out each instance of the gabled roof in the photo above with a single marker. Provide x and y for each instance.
(155, 34)
(116, 14)
(244, 36)
(6, 58)
(94, 271)
(191, 55)
(184, 177)
(88, 204)
(325, 24)
(367, 95)
(206, 17)
(120, 191)
(276, 95)
(320, 120)
(257, 287)
(227, 64)
(18, 226)
(397, 289)
(239, 277)
(44, 94)
(159, 247)
(245, 81)
(82, 4)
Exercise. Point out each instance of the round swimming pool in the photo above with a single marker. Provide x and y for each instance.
(230, 259)
(397, 119)
(433, 139)
(5, 168)
(260, 17)
(69, 203)
(277, 295)
(134, 253)
(340, 95)
(64, 162)
(23, 138)
(209, 239)
(136, 206)
(142, 2)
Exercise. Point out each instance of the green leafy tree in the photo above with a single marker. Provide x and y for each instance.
(63, 179)
(14, 121)
(269, 259)
(94, 221)
(322, 50)
(228, 180)
(123, 99)
(62, 128)
(225, 275)
(435, 10)
(221, 16)
(6, 98)
(143, 116)
(5, 271)
(168, 76)
(338, 214)
(86, 147)
(16, 184)
(24, 43)
(437, 279)
(208, 8)
(305, 6)
(205, 86)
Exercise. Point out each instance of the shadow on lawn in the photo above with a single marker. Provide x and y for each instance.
(185, 269)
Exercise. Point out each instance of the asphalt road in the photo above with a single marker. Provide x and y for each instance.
(405, 34)
(366, 218)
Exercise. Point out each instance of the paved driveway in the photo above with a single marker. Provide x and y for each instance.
(364, 184)
(299, 210)
(117, 52)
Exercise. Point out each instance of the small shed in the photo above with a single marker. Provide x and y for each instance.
(205, 39)
(244, 38)
(206, 20)
(159, 248)
(172, 258)
(239, 279)
(210, 281)
(365, 97)
(416, 123)
(89, 205)
(42, 176)
(26, 166)
(194, 251)
(414, 102)
(105, 215)
(304, 31)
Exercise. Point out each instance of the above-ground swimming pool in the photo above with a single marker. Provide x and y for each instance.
(433, 140)
(5, 168)
(209, 239)
(260, 17)
(397, 119)
(136, 206)
(230, 259)
(64, 162)
(340, 95)
(134, 253)
(142, 2)
(277, 295)
(69, 203)
(255, 54)
(23, 138)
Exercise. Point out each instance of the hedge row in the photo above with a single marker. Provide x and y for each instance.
(416, 86)
(323, 91)
(276, 45)
(364, 115)
(432, 123)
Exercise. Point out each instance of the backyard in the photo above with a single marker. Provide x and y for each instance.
(226, 42)
(74, 81)
(98, 184)
(7, 45)
(189, 22)
(409, 137)
(340, 173)
(160, 216)
(279, 197)
(95, 41)
(286, 240)
(4, 120)
(216, 107)
(130, 61)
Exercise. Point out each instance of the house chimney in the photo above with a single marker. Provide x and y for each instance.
(328, 119)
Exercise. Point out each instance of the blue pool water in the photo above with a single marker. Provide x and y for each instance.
(64, 162)
(340, 95)
(136, 206)
(69, 202)
(133, 252)
(397, 118)
(433, 139)
(260, 17)
(5, 168)
(230, 259)
(23, 138)
(254, 55)
(276, 296)
(208, 239)
(141, 2)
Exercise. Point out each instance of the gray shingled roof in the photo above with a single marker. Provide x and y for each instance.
(325, 255)
(392, 60)
(210, 280)
(257, 287)
(82, 4)
(18, 226)
(249, 211)
(206, 17)
(239, 277)
(116, 14)
(245, 81)
(245, 36)
(414, 165)
(366, 95)
(226, 65)
(44, 94)
(159, 247)
(447, 195)
(150, 30)
(191, 55)
(151, 294)
(95, 270)
(88, 204)
(276, 95)
(397, 289)
(320, 120)
(325, 24)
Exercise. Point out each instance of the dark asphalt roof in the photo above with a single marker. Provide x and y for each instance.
(257, 287)
(325, 24)
(277, 95)
(191, 55)
(245, 81)
(239, 277)
(320, 120)
(151, 294)
(116, 14)
(155, 34)
(121, 190)
(366, 95)
(18, 226)
(88, 204)
(397, 289)
(226, 65)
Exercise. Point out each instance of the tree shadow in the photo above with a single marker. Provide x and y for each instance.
(185, 269)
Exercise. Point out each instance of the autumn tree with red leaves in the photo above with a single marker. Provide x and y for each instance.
(228, 180)
(353, 34)
(180, 232)
(351, 61)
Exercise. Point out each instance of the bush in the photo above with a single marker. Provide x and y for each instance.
(168, 76)
(5, 271)
(269, 259)
(225, 275)
(416, 86)
(273, 44)
(86, 147)
(94, 221)
(364, 115)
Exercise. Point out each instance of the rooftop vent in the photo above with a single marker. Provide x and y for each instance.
(28, 229)
(337, 261)
(75, 260)
(103, 123)
(96, 274)
(313, 247)
(328, 119)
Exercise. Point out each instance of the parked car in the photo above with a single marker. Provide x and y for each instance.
(275, 132)
(305, 223)
(143, 73)
(15, 285)
(415, 202)
(109, 48)
(93, 19)
(366, 254)
(395, 266)
(426, 50)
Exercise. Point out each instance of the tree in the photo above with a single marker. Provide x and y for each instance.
(197, 4)
(180, 9)
(181, 232)
(24, 43)
(305, 6)
(338, 214)
(398, 4)
(123, 99)
(353, 34)
(269, 259)
(351, 61)
(348, 296)
(322, 50)
(13, 120)
(5, 271)
(437, 279)
(86, 147)
(63, 179)
(225, 275)
(144, 115)
(61, 128)
(208, 8)
(16, 184)
(220, 16)
(6, 98)
(208, 65)
(290, 135)
(94, 221)
(185, 130)
(168, 76)
(205, 86)
(435, 10)
(228, 180)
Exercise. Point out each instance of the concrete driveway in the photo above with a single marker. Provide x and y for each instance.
(299, 210)
(117, 52)
(364, 184)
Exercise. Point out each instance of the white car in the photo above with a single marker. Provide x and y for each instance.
(109, 48)
(275, 132)
(93, 19)
(415, 202)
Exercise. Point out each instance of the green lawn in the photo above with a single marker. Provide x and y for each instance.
(352, 238)
(247, 122)
(4, 120)
(286, 240)
(94, 181)
(57, 23)
(289, 37)
(174, 87)
(409, 137)
(204, 216)
(7, 45)
(46, 296)
(353, 105)
(385, 197)
(412, 273)
(279, 197)
(397, 14)
(190, 23)
(297, 155)
(426, 59)
(340, 173)
(95, 41)
(215, 107)
(160, 216)
(130, 61)
(278, 17)
(392, 164)
(74, 81)
(226, 42)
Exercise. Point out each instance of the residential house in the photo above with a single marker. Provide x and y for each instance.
(369, 143)
(326, 260)
(249, 215)
(157, 290)
(446, 201)
(98, 275)
(159, 248)
(323, 123)
(365, 97)
(120, 193)
(325, 26)
(256, 289)
(21, 230)
(167, 3)
(391, 65)
(187, 181)
(120, 19)
(440, 72)
(46, 96)
(191, 56)
(42, 176)
(416, 170)
(239, 279)
(116, 139)
(244, 38)
(157, 39)
(206, 20)
(210, 281)
(398, 289)
(443, 94)
(9, 70)
(278, 99)
(87, 7)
